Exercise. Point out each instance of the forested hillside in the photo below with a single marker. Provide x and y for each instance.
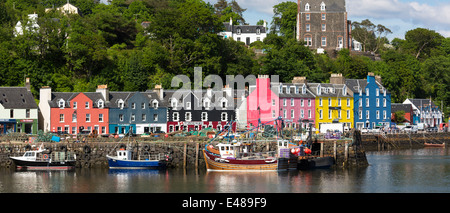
(108, 44)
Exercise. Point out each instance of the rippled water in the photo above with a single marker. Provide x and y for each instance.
(416, 170)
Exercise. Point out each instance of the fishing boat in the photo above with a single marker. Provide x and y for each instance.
(434, 144)
(124, 160)
(237, 156)
(43, 159)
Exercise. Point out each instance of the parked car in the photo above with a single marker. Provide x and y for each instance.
(364, 130)
(432, 129)
(410, 128)
(376, 129)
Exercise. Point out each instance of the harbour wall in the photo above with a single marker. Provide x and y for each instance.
(187, 153)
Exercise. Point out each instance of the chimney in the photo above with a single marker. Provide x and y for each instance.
(103, 89)
(299, 80)
(378, 79)
(159, 90)
(337, 78)
(27, 84)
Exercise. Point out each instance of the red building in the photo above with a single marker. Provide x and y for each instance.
(407, 108)
(73, 113)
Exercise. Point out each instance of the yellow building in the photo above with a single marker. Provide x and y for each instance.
(334, 102)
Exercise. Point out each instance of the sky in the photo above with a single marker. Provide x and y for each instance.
(399, 16)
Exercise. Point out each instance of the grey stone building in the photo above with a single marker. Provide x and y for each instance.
(323, 24)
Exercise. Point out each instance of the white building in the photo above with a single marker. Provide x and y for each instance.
(245, 33)
(425, 111)
(66, 9)
(30, 26)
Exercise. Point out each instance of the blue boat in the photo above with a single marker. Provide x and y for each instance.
(123, 160)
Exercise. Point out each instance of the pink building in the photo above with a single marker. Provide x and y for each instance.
(292, 101)
(262, 102)
(297, 103)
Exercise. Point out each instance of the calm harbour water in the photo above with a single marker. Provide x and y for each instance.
(401, 171)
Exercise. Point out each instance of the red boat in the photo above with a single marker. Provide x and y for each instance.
(434, 144)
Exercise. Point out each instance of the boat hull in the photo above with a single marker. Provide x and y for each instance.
(43, 165)
(434, 145)
(115, 163)
(238, 165)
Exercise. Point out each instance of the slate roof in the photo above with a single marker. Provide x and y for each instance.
(17, 98)
(244, 28)
(330, 5)
(401, 107)
(338, 88)
(236, 96)
(292, 94)
(355, 84)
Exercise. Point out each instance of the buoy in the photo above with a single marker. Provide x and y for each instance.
(45, 156)
(307, 151)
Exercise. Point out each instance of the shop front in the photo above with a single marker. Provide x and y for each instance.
(27, 126)
(7, 126)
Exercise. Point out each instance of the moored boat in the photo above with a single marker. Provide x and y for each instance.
(124, 160)
(43, 159)
(434, 144)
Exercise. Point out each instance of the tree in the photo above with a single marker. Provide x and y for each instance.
(399, 117)
(285, 19)
(421, 42)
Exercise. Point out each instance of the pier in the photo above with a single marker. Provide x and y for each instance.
(186, 152)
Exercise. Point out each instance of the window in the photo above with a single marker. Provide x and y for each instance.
(324, 41)
(324, 16)
(204, 116)
(302, 114)
(103, 129)
(142, 105)
(133, 105)
(377, 92)
(238, 31)
(329, 114)
(74, 117)
(121, 117)
(339, 114)
(100, 104)
(284, 114)
(284, 102)
(308, 27)
(348, 101)
(309, 113)
(273, 113)
(329, 101)
(175, 116)
(320, 101)
(61, 117)
(100, 117)
(304, 89)
(302, 102)
(384, 102)
(144, 117)
(367, 102)
(292, 102)
(86, 105)
(322, 6)
(273, 102)
(324, 27)
(224, 103)
(384, 114)
(367, 91)
(367, 114)
(188, 105)
(308, 16)
(120, 104)
(155, 104)
(88, 117)
(309, 102)
(61, 103)
(360, 114)
(27, 113)
(378, 114)
(308, 41)
(224, 116)
(258, 31)
(339, 102)
(307, 7)
(206, 103)
(133, 117)
(348, 114)
(74, 105)
(74, 130)
(155, 117)
(188, 116)
(360, 102)
(320, 114)
(378, 102)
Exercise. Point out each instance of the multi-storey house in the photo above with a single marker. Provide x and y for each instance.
(425, 111)
(73, 112)
(323, 24)
(192, 110)
(297, 103)
(263, 102)
(18, 110)
(407, 108)
(244, 33)
(372, 102)
(135, 112)
(334, 102)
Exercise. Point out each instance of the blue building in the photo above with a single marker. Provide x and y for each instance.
(136, 112)
(372, 102)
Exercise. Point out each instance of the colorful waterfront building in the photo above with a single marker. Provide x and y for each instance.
(263, 102)
(425, 111)
(18, 110)
(334, 102)
(297, 104)
(372, 102)
(73, 112)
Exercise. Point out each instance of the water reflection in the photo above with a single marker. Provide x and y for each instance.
(415, 170)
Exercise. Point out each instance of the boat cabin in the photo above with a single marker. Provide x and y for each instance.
(29, 155)
(124, 155)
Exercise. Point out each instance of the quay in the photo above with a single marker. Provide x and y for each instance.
(185, 152)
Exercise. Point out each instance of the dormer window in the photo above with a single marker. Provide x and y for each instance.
(307, 7)
(101, 104)
(319, 91)
(238, 31)
(344, 90)
(258, 31)
(155, 104)
(304, 89)
(173, 103)
(322, 7)
(224, 103)
(61, 103)
(206, 103)
(120, 104)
